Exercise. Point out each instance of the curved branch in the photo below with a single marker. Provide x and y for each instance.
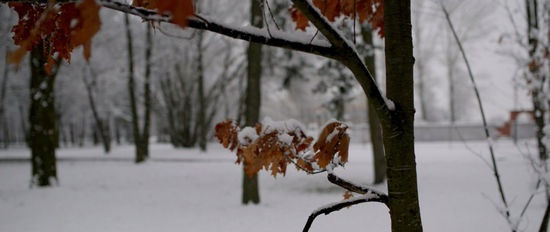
(338, 206)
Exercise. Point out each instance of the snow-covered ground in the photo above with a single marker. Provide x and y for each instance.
(186, 190)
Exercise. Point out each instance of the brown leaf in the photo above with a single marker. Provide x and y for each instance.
(371, 11)
(88, 25)
(52, 26)
(180, 10)
(226, 133)
(332, 141)
(347, 195)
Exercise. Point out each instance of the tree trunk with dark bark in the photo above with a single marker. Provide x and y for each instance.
(253, 98)
(140, 152)
(42, 119)
(399, 135)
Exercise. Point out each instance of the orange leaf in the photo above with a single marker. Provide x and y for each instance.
(371, 11)
(347, 195)
(332, 141)
(226, 132)
(180, 10)
(88, 25)
(53, 27)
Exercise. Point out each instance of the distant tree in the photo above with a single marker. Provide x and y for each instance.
(102, 123)
(140, 134)
(42, 118)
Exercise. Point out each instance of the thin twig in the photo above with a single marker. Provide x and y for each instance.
(356, 188)
(485, 126)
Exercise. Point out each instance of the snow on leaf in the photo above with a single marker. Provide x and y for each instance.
(272, 145)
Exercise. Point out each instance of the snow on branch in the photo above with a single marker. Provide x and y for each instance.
(329, 208)
(294, 41)
(379, 196)
(347, 55)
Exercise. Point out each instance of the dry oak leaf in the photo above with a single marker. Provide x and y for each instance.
(332, 141)
(226, 132)
(58, 28)
(179, 10)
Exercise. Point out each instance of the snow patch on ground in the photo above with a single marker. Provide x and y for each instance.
(188, 190)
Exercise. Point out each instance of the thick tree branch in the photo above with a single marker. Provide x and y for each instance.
(348, 56)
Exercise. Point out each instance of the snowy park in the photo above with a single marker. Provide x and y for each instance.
(189, 190)
(274, 115)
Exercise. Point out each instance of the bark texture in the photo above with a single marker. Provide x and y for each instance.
(399, 135)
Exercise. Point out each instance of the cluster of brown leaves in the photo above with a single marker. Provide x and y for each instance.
(272, 149)
(61, 27)
(58, 28)
(179, 10)
(371, 11)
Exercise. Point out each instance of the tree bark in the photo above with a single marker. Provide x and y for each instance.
(253, 97)
(375, 130)
(399, 135)
(42, 119)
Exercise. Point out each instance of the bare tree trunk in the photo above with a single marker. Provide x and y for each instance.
(253, 98)
(42, 119)
(140, 153)
(3, 122)
(201, 120)
(375, 130)
(147, 92)
(399, 136)
(102, 125)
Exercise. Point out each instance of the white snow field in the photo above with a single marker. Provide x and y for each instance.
(186, 190)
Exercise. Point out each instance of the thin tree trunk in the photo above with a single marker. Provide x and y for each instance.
(253, 98)
(3, 123)
(147, 92)
(375, 131)
(140, 154)
(42, 119)
(201, 120)
(102, 125)
(399, 136)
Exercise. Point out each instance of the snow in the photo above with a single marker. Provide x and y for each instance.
(186, 190)
(247, 135)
